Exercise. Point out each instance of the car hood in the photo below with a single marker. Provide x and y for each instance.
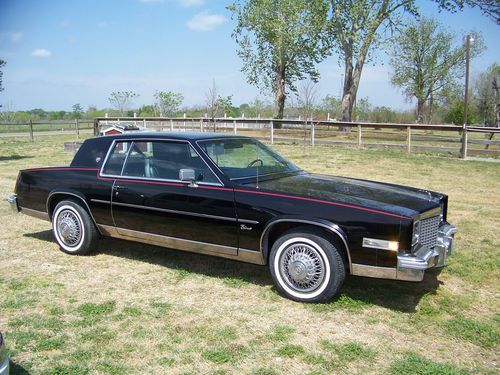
(401, 200)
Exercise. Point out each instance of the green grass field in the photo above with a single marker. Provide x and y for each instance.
(133, 308)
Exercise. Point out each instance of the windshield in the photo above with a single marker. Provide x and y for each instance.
(245, 157)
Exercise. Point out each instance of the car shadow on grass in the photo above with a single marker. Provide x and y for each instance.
(361, 291)
(16, 369)
(14, 157)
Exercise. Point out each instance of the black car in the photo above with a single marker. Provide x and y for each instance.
(4, 359)
(233, 197)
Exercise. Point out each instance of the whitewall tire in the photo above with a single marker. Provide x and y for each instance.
(73, 228)
(306, 266)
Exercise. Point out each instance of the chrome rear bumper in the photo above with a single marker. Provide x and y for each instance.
(411, 267)
(12, 200)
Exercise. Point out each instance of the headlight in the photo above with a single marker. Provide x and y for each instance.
(416, 233)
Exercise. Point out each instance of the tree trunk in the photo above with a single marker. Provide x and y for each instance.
(347, 97)
(431, 105)
(280, 97)
(420, 110)
(351, 85)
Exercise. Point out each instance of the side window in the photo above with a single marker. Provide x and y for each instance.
(115, 161)
(160, 160)
(169, 157)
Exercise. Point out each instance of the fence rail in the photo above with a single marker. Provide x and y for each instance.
(463, 141)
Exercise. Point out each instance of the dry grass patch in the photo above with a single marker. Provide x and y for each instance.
(141, 309)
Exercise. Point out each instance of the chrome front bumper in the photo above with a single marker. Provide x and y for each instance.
(411, 267)
(12, 200)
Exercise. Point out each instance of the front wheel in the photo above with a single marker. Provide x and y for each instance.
(73, 228)
(306, 267)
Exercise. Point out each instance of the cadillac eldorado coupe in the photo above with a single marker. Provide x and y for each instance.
(234, 197)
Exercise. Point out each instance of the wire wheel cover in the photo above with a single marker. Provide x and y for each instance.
(302, 267)
(69, 228)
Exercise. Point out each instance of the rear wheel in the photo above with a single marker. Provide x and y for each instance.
(306, 266)
(73, 228)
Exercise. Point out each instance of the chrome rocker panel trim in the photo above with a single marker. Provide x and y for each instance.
(34, 213)
(411, 267)
(221, 251)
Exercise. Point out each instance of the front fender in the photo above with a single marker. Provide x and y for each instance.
(325, 224)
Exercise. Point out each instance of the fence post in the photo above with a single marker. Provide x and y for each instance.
(201, 124)
(77, 129)
(144, 123)
(171, 125)
(234, 126)
(408, 139)
(31, 131)
(184, 123)
(271, 124)
(360, 134)
(463, 151)
(312, 134)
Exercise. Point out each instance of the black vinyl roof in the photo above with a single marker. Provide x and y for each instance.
(187, 136)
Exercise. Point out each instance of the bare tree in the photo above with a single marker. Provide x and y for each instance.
(306, 102)
(216, 104)
(122, 100)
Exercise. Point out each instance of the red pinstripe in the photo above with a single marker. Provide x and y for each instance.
(224, 189)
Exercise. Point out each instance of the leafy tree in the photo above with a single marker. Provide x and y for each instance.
(280, 41)
(122, 100)
(168, 102)
(331, 105)
(359, 27)
(486, 95)
(77, 111)
(425, 61)
(363, 109)
(93, 112)
(490, 8)
(455, 114)
(147, 111)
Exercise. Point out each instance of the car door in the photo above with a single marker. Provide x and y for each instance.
(151, 203)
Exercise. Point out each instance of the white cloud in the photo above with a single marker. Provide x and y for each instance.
(12, 36)
(40, 52)
(190, 3)
(205, 22)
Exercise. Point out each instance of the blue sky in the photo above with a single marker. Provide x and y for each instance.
(60, 53)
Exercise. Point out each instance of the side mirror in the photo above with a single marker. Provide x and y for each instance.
(188, 175)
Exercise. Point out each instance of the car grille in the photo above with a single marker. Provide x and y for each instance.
(429, 231)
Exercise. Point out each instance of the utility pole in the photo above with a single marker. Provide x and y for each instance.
(468, 42)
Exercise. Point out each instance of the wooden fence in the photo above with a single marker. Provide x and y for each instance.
(457, 140)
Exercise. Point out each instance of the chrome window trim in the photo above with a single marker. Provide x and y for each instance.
(111, 147)
(239, 178)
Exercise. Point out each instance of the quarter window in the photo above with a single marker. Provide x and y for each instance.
(116, 159)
